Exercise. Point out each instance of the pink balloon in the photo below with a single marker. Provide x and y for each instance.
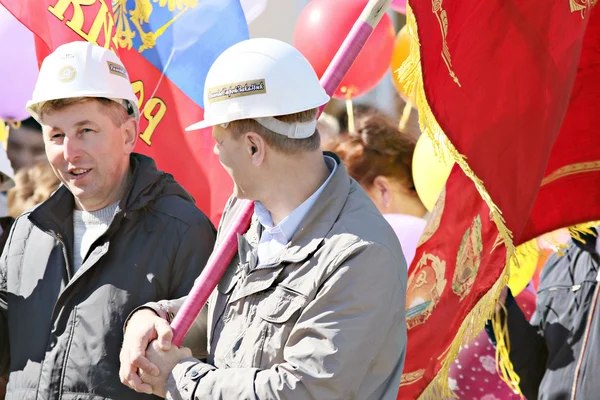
(399, 6)
(473, 375)
(18, 69)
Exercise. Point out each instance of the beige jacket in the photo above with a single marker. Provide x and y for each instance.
(324, 321)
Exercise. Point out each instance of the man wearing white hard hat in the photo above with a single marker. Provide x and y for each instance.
(312, 306)
(117, 232)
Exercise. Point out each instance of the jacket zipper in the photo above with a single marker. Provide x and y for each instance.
(586, 336)
(59, 238)
(69, 343)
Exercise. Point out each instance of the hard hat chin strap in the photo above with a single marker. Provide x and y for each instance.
(296, 130)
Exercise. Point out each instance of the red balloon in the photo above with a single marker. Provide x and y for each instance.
(322, 27)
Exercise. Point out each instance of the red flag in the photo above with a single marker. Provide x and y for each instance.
(496, 78)
(570, 191)
(165, 109)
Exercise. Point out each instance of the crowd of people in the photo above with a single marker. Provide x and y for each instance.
(101, 249)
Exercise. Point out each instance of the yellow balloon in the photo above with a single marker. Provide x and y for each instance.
(532, 256)
(430, 173)
(529, 257)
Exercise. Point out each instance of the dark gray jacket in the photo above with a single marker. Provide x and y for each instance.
(60, 336)
(557, 355)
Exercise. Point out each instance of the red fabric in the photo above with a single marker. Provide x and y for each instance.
(574, 198)
(516, 63)
(187, 156)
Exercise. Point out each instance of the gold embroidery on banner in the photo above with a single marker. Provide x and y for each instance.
(141, 15)
(434, 218)
(581, 6)
(572, 169)
(424, 289)
(468, 260)
(442, 18)
(412, 377)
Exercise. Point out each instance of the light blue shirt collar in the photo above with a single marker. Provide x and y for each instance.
(285, 230)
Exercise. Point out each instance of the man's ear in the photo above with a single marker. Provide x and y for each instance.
(255, 147)
(130, 130)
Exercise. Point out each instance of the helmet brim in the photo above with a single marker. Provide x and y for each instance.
(200, 125)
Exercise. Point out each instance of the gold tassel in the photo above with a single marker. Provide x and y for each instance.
(410, 76)
(526, 253)
(504, 366)
(578, 230)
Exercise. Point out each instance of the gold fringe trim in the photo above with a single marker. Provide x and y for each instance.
(529, 252)
(410, 76)
(471, 327)
(578, 230)
(504, 367)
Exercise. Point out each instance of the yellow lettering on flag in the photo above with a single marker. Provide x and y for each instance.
(154, 111)
(102, 25)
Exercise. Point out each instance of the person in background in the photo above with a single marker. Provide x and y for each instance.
(118, 232)
(26, 144)
(25, 147)
(379, 157)
(557, 353)
(33, 185)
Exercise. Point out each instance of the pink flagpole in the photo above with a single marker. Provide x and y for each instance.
(227, 248)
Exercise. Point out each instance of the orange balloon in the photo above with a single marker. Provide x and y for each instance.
(401, 52)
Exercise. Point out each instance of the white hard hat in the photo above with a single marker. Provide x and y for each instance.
(260, 79)
(82, 69)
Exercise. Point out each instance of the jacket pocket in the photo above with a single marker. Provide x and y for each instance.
(281, 305)
(563, 310)
(277, 316)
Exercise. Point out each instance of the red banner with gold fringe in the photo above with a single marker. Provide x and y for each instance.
(496, 79)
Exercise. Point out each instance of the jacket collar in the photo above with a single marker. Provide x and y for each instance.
(56, 213)
(318, 222)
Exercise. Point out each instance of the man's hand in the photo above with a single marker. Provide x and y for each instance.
(165, 361)
(502, 299)
(143, 327)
